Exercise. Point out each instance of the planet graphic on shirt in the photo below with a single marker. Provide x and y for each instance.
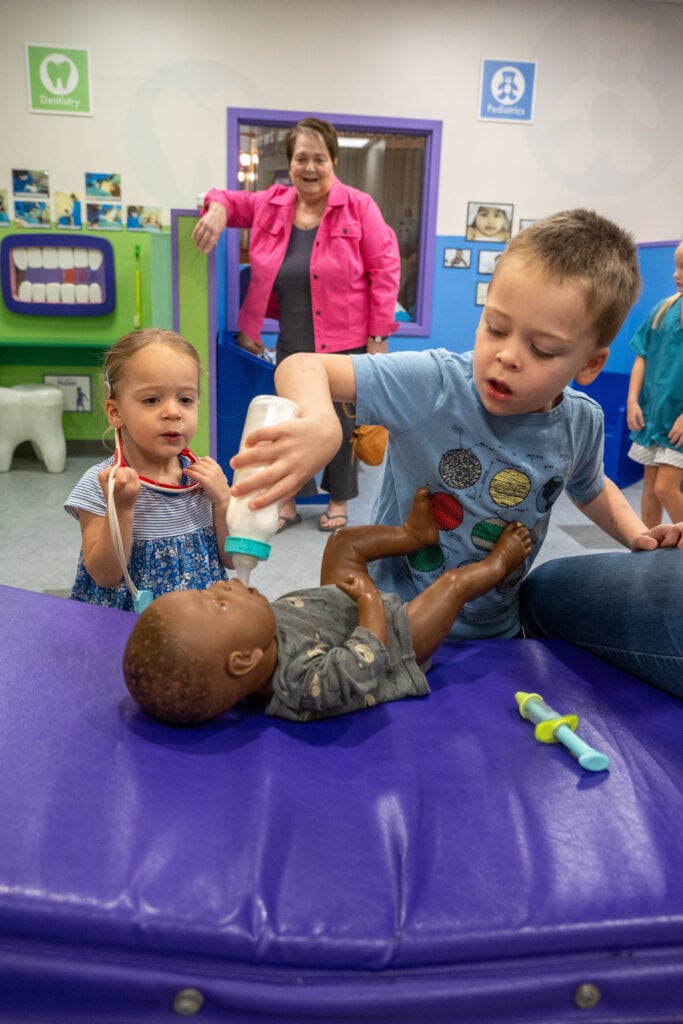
(549, 494)
(459, 468)
(426, 559)
(509, 487)
(486, 533)
(447, 511)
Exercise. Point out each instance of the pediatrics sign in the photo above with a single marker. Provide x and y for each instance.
(58, 80)
(507, 91)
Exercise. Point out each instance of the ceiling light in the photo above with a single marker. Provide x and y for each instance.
(352, 141)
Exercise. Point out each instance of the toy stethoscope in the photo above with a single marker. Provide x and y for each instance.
(141, 598)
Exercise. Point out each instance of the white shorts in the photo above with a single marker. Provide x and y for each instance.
(656, 455)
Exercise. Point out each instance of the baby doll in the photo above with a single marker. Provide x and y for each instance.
(313, 653)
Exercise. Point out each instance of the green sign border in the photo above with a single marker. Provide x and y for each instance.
(80, 97)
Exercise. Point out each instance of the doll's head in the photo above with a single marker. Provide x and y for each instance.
(192, 654)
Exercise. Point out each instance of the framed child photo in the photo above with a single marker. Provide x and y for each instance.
(460, 259)
(487, 260)
(481, 293)
(489, 222)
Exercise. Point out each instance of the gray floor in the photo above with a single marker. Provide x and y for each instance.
(40, 542)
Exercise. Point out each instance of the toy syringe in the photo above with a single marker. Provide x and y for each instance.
(552, 727)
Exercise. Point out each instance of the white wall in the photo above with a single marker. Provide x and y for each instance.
(609, 111)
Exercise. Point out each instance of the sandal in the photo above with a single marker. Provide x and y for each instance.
(284, 522)
(327, 519)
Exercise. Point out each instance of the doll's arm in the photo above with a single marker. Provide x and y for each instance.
(371, 614)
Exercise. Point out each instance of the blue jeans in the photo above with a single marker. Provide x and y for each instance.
(626, 608)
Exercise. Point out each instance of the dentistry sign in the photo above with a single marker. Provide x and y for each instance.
(58, 80)
(507, 91)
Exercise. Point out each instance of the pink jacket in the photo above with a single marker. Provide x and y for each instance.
(355, 263)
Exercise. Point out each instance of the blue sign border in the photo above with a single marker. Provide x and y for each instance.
(505, 106)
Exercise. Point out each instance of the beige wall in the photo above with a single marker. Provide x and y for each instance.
(609, 110)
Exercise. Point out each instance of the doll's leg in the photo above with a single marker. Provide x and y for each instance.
(350, 548)
(432, 613)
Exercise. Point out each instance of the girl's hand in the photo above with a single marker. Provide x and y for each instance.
(209, 227)
(126, 486)
(676, 432)
(634, 416)
(666, 535)
(209, 474)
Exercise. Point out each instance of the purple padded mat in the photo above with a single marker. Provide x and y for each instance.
(420, 861)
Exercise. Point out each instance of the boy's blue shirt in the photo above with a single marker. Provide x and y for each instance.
(483, 470)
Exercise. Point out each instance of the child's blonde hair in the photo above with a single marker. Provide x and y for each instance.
(664, 309)
(582, 246)
(130, 344)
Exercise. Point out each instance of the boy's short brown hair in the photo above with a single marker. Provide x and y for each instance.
(581, 245)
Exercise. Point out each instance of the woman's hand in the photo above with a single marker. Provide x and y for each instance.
(244, 341)
(209, 227)
(377, 348)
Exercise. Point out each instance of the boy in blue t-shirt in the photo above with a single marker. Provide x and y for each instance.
(496, 433)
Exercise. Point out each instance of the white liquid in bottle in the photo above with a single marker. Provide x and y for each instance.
(250, 530)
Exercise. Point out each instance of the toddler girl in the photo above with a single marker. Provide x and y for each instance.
(170, 505)
(654, 409)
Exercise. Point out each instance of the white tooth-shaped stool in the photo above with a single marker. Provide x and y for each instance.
(33, 412)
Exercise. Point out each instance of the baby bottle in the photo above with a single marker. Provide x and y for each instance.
(250, 530)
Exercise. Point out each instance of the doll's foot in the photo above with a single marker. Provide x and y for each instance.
(511, 548)
(420, 523)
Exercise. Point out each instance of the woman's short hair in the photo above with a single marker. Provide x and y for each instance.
(323, 129)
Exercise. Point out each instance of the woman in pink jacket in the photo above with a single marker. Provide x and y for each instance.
(325, 264)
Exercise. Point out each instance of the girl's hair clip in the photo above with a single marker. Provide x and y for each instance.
(107, 381)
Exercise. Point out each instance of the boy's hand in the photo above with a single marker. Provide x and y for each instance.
(290, 453)
(666, 535)
(209, 474)
(126, 486)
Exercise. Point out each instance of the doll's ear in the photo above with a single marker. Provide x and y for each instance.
(241, 662)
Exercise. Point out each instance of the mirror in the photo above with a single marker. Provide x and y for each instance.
(394, 160)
